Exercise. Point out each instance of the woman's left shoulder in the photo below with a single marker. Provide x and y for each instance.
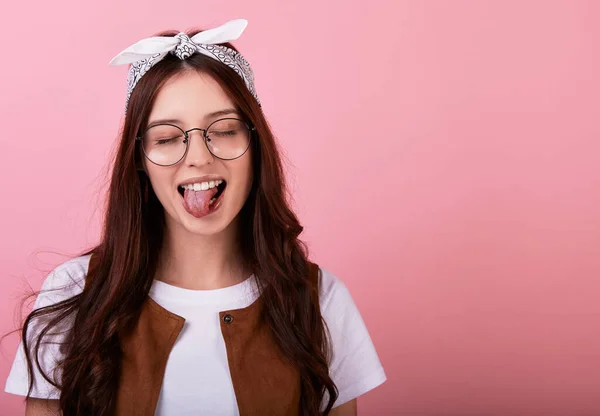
(333, 292)
(354, 365)
(336, 301)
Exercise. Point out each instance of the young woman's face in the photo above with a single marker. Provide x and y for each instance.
(188, 100)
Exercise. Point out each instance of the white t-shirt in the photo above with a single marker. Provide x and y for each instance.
(197, 375)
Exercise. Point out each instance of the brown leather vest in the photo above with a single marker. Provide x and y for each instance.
(263, 382)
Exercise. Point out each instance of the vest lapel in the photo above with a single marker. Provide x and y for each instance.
(263, 382)
(145, 353)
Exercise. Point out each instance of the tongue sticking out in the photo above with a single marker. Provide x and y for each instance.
(196, 202)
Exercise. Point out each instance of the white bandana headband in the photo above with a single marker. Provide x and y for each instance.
(144, 54)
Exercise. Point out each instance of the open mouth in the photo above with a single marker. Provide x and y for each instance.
(216, 197)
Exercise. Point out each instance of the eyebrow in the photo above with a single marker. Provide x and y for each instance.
(214, 114)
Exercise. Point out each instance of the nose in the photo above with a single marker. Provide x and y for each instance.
(197, 152)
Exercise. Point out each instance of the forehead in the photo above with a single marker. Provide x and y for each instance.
(189, 96)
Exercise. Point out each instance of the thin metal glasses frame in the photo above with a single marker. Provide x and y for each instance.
(251, 129)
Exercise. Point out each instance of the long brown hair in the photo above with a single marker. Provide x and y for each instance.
(132, 236)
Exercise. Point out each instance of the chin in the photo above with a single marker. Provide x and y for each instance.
(205, 226)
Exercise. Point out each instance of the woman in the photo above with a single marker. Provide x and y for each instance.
(200, 298)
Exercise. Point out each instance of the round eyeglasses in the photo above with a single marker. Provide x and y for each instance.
(167, 144)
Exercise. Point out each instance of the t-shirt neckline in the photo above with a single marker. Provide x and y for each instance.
(165, 291)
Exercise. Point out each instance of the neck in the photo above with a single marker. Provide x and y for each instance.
(201, 262)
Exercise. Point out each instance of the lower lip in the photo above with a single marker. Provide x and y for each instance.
(213, 207)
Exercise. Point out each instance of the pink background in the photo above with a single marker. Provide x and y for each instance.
(444, 157)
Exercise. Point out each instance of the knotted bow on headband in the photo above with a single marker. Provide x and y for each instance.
(146, 53)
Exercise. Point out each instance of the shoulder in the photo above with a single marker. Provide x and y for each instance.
(333, 292)
(338, 307)
(64, 281)
(354, 364)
